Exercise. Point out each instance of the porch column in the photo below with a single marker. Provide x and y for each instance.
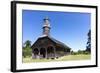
(54, 51)
(46, 52)
(39, 53)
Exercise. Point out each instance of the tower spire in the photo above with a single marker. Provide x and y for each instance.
(46, 26)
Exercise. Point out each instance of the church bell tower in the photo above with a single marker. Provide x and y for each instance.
(46, 26)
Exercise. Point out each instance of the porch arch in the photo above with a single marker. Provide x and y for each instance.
(43, 52)
(51, 53)
(36, 51)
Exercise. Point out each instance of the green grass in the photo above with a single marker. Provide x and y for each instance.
(64, 58)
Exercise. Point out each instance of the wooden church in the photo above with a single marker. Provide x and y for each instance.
(48, 47)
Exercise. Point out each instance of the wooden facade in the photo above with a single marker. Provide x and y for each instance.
(48, 47)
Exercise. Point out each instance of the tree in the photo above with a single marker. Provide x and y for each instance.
(27, 43)
(88, 46)
(27, 51)
(80, 52)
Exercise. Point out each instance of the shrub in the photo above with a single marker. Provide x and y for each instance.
(73, 53)
(27, 52)
(80, 52)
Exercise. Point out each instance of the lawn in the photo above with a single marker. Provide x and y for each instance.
(64, 58)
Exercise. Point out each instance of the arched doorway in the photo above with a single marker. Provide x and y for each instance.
(50, 52)
(36, 51)
(43, 52)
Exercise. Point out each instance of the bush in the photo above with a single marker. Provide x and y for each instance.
(86, 52)
(73, 53)
(27, 52)
(80, 52)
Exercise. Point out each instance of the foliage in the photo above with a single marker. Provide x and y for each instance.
(83, 52)
(80, 52)
(88, 46)
(27, 51)
(73, 53)
(27, 43)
